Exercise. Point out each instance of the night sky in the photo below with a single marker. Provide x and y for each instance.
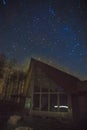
(54, 31)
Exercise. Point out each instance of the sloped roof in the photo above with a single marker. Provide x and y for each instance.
(63, 79)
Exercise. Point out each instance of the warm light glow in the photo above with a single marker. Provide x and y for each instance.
(63, 106)
(56, 106)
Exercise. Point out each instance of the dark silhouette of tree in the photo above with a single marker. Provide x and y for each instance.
(13, 78)
(10, 68)
(3, 61)
(18, 84)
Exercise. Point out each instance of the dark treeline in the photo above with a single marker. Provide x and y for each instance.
(11, 78)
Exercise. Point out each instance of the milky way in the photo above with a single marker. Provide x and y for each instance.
(54, 31)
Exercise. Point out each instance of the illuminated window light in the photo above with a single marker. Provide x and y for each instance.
(63, 107)
(55, 106)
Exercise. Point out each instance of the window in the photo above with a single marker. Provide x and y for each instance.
(44, 89)
(63, 105)
(36, 101)
(53, 102)
(60, 89)
(53, 90)
(36, 88)
(44, 102)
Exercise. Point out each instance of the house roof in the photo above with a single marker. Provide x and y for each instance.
(62, 78)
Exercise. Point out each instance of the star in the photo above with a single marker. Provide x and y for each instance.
(4, 2)
(50, 29)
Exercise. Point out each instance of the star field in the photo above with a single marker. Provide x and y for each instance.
(54, 31)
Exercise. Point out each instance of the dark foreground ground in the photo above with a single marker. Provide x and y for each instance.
(36, 123)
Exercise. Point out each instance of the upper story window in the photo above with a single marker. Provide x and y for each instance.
(44, 89)
(36, 88)
(56, 89)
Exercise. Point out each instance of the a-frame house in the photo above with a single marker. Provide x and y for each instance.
(51, 92)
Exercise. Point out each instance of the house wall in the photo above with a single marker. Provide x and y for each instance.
(82, 106)
(75, 107)
(79, 107)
